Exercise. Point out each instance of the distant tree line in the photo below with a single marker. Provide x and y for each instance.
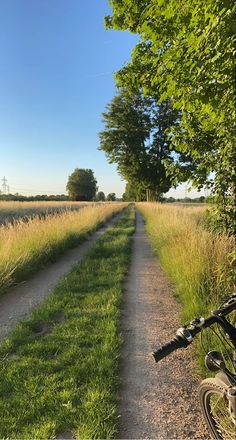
(200, 199)
(40, 197)
(131, 197)
(99, 197)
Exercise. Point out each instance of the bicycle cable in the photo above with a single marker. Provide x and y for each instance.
(225, 340)
(201, 341)
(222, 341)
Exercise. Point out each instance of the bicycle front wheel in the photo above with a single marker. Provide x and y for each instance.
(216, 409)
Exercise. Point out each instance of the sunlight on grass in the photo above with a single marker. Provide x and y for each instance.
(66, 378)
(11, 211)
(198, 260)
(26, 246)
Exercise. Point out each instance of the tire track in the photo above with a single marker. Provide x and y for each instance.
(158, 401)
(19, 301)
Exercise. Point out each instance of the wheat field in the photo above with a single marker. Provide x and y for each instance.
(12, 211)
(25, 246)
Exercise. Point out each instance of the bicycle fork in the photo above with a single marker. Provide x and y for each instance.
(231, 396)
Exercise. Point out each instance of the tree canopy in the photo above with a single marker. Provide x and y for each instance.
(100, 197)
(135, 139)
(82, 185)
(111, 197)
(187, 55)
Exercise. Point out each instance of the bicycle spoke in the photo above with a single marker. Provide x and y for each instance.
(221, 416)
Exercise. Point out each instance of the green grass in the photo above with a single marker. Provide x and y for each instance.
(67, 380)
(197, 259)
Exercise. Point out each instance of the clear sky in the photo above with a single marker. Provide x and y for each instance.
(56, 77)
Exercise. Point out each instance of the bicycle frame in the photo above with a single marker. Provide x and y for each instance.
(184, 336)
(226, 377)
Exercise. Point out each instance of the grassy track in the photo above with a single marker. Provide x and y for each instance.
(59, 368)
(198, 260)
(26, 247)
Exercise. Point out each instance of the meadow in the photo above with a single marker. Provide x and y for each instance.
(12, 211)
(198, 259)
(27, 246)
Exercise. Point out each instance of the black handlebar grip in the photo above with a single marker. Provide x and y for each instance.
(167, 349)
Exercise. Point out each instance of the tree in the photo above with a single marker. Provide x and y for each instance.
(100, 196)
(111, 197)
(134, 193)
(187, 54)
(82, 185)
(135, 139)
(126, 129)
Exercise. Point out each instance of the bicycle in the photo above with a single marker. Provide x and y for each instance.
(217, 395)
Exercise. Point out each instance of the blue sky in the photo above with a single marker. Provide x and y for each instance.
(56, 77)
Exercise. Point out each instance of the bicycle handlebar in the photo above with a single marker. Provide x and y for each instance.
(165, 350)
(227, 307)
(186, 334)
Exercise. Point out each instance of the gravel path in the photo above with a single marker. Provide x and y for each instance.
(158, 401)
(20, 300)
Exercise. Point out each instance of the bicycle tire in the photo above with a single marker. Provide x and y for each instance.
(215, 408)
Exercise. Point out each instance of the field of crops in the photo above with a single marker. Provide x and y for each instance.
(27, 246)
(11, 211)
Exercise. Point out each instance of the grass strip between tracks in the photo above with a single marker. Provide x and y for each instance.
(26, 247)
(59, 368)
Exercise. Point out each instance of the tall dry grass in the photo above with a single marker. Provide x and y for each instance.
(198, 260)
(15, 206)
(26, 246)
(10, 210)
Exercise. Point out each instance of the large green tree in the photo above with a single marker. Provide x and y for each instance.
(100, 197)
(134, 192)
(82, 185)
(186, 53)
(135, 139)
(111, 197)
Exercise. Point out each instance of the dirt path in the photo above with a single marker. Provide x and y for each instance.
(23, 298)
(158, 401)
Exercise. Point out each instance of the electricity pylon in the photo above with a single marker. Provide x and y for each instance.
(4, 185)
